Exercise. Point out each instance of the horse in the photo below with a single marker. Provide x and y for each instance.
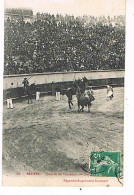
(73, 89)
(29, 91)
(29, 94)
(69, 93)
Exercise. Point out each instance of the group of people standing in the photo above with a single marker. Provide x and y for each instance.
(26, 91)
(87, 93)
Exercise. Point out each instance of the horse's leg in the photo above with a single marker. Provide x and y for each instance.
(78, 106)
(31, 100)
(28, 99)
(88, 108)
(82, 108)
(69, 103)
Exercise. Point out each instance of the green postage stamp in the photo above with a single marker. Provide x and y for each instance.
(106, 164)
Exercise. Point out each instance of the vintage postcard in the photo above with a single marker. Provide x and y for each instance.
(63, 93)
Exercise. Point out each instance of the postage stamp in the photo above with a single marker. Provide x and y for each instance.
(105, 164)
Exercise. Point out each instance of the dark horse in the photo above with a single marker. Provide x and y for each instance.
(73, 90)
(81, 83)
(29, 91)
(69, 93)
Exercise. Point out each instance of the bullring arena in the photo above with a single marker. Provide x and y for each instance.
(46, 136)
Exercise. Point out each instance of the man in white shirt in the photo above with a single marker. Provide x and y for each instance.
(9, 96)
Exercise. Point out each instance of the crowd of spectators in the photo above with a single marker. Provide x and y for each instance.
(64, 43)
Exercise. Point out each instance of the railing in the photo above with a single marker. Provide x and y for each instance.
(58, 77)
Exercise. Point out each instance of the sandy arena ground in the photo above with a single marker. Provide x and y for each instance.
(46, 136)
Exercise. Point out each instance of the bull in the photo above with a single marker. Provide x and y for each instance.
(84, 101)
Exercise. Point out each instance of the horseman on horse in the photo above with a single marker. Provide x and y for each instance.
(28, 90)
(25, 82)
(77, 88)
(83, 98)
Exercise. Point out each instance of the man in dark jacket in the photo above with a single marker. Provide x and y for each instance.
(26, 85)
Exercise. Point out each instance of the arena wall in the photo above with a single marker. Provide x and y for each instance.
(61, 77)
(48, 81)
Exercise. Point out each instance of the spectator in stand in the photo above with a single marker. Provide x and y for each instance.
(57, 43)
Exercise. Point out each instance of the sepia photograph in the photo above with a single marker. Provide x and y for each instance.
(63, 93)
